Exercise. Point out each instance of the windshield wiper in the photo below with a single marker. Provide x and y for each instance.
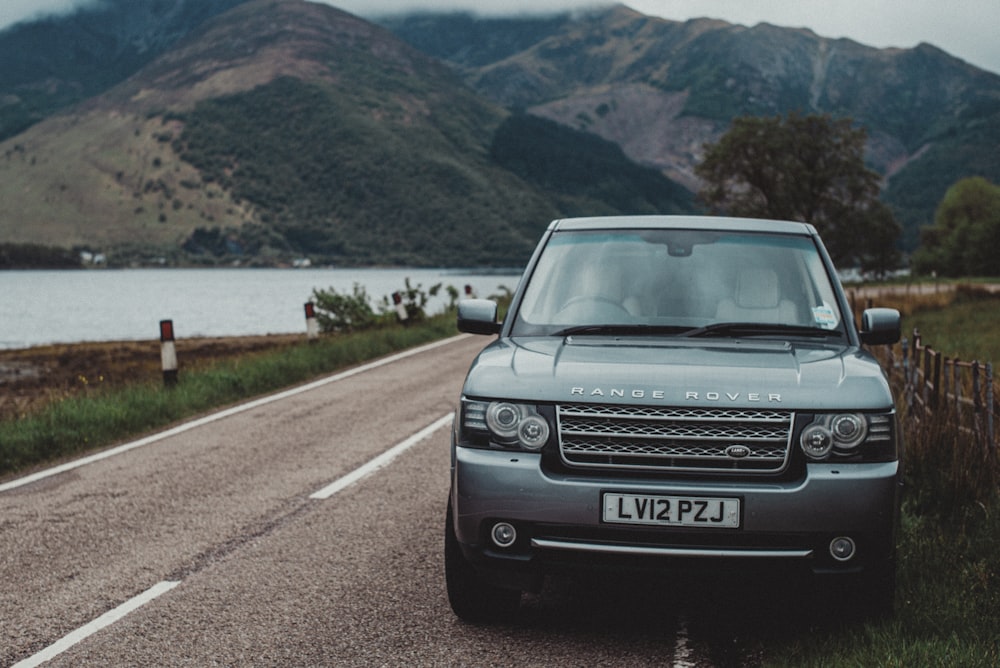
(758, 329)
(626, 330)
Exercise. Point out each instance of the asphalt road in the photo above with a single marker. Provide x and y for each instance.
(241, 554)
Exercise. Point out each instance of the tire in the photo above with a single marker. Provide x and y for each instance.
(473, 599)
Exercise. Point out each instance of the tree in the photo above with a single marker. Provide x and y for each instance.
(805, 168)
(965, 234)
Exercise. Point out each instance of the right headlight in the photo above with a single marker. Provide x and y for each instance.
(861, 436)
(505, 423)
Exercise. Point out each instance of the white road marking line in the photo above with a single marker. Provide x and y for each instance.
(683, 654)
(93, 627)
(381, 461)
(194, 424)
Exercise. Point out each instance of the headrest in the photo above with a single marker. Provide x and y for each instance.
(757, 288)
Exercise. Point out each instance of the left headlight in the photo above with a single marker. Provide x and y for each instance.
(867, 437)
(505, 423)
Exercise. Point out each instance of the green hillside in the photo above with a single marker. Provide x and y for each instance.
(585, 174)
(330, 180)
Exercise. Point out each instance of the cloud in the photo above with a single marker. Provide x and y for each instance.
(963, 28)
(16, 11)
(372, 8)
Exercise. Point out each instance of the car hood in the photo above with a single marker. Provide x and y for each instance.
(737, 373)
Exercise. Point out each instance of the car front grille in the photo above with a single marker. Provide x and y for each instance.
(654, 438)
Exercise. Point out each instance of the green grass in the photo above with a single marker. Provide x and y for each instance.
(948, 579)
(84, 423)
(966, 329)
(947, 596)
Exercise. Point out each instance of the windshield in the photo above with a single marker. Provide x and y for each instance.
(684, 282)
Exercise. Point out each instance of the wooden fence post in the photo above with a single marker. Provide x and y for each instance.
(926, 380)
(936, 397)
(990, 443)
(956, 386)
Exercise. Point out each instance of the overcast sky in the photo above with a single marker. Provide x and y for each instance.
(964, 28)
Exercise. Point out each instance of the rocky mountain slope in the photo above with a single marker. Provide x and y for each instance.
(661, 89)
(58, 61)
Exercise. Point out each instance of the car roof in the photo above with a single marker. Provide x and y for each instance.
(721, 223)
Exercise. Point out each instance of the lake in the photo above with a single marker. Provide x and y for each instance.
(39, 307)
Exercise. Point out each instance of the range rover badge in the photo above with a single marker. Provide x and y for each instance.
(738, 451)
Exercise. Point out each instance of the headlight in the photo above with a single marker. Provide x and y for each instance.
(505, 423)
(504, 419)
(848, 430)
(849, 435)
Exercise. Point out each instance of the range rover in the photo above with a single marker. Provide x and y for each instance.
(672, 392)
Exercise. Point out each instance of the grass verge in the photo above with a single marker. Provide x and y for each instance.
(82, 423)
(948, 584)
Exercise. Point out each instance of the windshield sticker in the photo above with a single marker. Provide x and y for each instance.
(824, 317)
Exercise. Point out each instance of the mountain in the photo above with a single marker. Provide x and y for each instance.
(661, 89)
(58, 61)
(264, 130)
(288, 129)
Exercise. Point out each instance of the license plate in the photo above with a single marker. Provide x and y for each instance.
(682, 511)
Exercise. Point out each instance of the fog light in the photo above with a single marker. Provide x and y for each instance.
(842, 548)
(504, 534)
(533, 432)
(816, 441)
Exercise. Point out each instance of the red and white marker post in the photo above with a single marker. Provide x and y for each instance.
(397, 299)
(312, 324)
(168, 353)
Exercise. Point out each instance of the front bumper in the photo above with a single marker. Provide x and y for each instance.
(558, 519)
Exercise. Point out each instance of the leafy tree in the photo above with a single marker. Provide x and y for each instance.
(805, 168)
(965, 234)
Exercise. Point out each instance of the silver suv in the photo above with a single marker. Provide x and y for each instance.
(671, 392)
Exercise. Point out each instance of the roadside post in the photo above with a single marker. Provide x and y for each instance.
(168, 353)
(397, 299)
(312, 324)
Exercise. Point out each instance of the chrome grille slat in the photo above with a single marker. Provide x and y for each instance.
(673, 439)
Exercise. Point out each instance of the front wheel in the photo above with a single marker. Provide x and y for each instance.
(472, 598)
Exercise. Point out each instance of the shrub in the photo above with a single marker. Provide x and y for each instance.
(353, 312)
(344, 312)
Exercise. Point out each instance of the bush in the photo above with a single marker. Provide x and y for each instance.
(414, 300)
(354, 313)
(344, 313)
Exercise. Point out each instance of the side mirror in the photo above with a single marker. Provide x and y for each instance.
(880, 326)
(478, 316)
